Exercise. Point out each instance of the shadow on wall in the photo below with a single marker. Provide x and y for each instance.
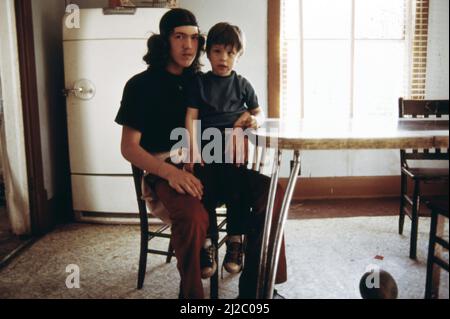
(89, 3)
(85, 4)
(2, 192)
(2, 183)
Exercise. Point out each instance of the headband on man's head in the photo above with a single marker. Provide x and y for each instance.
(176, 18)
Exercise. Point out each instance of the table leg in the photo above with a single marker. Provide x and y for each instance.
(262, 270)
(275, 254)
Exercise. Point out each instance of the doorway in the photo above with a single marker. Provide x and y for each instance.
(4, 220)
(10, 244)
(15, 226)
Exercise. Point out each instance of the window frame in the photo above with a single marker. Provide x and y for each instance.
(274, 57)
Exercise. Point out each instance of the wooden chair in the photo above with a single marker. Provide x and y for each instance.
(419, 175)
(438, 208)
(163, 231)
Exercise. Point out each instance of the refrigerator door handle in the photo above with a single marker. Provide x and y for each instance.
(82, 89)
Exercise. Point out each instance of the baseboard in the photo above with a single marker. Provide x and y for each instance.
(112, 218)
(356, 187)
(121, 218)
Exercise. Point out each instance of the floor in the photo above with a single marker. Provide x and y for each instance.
(10, 244)
(330, 245)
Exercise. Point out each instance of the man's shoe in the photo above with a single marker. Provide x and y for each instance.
(233, 257)
(208, 261)
(276, 295)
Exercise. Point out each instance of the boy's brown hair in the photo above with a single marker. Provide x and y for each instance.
(226, 34)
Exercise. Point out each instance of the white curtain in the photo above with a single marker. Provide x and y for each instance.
(12, 132)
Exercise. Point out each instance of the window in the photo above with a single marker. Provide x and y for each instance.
(349, 58)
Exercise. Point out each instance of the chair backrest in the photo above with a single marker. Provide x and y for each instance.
(137, 177)
(423, 109)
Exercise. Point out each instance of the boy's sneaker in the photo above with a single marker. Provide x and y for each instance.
(208, 261)
(233, 257)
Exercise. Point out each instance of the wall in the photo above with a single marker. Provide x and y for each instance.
(251, 17)
(1, 129)
(89, 3)
(438, 59)
(47, 21)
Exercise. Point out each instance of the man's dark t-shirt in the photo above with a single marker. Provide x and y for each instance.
(221, 100)
(154, 103)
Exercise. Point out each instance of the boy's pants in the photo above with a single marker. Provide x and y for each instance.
(190, 224)
(219, 188)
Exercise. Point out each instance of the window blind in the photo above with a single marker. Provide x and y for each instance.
(351, 57)
(419, 50)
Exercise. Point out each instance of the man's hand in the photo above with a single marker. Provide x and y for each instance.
(185, 183)
(189, 167)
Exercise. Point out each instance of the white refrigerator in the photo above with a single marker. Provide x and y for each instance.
(99, 57)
